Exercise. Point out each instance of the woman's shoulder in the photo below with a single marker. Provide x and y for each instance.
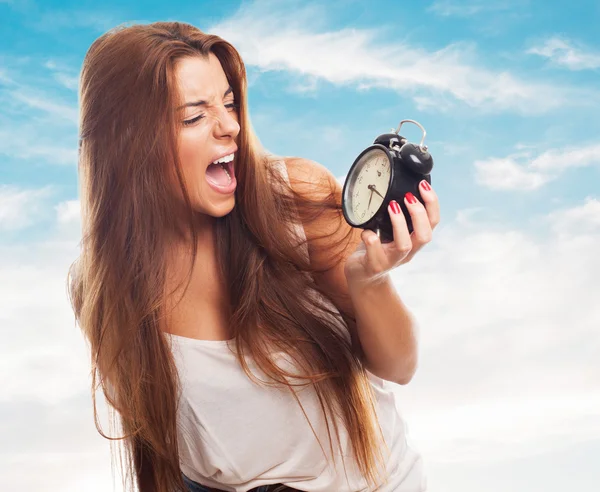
(306, 176)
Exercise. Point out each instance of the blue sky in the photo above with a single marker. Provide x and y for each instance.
(506, 293)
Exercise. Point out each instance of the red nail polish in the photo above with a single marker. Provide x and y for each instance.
(395, 207)
(410, 197)
(426, 185)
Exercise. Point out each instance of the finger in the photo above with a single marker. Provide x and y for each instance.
(432, 204)
(422, 230)
(402, 243)
(375, 258)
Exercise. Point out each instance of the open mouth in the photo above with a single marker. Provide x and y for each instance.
(221, 172)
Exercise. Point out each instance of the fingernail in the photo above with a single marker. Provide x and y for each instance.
(410, 197)
(395, 207)
(425, 185)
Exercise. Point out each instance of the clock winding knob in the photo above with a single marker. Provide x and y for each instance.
(416, 158)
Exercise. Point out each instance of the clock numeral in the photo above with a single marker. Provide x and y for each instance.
(360, 180)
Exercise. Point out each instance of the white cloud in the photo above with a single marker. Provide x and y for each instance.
(63, 74)
(524, 172)
(437, 103)
(52, 20)
(450, 8)
(69, 454)
(4, 78)
(69, 81)
(36, 124)
(562, 159)
(562, 52)
(500, 428)
(25, 142)
(68, 212)
(507, 174)
(574, 221)
(508, 323)
(267, 37)
(56, 109)
(45, 405)
(21, 208)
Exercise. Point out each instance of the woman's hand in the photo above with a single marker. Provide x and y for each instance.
(372, 260)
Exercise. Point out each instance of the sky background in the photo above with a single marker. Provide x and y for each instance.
(507, 395)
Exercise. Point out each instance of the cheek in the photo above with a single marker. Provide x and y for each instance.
(193, 156)
(189, 150)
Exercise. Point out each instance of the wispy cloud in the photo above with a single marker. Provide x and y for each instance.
(29, 143)
(274, 41)
(37, 122)
(451, 8)
(525, 172)
(568, 54)
(24, 84)
(68, 81)
(52, 20)
(47, 19)
(577, 220)
(63, 75)
(484, 18)
(21, 208)
(4, 78)
(54, 108)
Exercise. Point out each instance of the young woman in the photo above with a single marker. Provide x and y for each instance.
(243, 333)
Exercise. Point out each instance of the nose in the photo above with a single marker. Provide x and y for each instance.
(226, 124)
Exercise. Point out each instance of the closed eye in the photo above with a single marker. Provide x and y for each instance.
(231, 106)
(193, 120)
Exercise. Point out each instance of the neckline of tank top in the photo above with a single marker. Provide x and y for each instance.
(225, 345)
(200, 342)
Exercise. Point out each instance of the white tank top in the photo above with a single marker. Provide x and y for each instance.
(235, 435)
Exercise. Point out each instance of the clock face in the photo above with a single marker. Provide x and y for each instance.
(367, 186)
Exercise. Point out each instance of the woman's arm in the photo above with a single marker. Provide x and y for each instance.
(385, 330)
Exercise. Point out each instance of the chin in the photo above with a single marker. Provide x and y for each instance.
(216, 211)
(225, 211)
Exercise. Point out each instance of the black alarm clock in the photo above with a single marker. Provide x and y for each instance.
(383, 172)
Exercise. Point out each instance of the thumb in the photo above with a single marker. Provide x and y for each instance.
(369, 237)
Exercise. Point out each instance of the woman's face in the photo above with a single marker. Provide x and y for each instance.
(208, 128)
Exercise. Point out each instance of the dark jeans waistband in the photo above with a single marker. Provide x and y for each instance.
(198, 487)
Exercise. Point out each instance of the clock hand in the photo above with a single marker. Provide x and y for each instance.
(370, 197)
(375, 190)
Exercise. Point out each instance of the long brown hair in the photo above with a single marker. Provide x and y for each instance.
(128, 145)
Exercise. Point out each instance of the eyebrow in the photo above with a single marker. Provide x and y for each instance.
(204, 103)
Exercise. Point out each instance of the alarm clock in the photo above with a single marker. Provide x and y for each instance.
(383, 172)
